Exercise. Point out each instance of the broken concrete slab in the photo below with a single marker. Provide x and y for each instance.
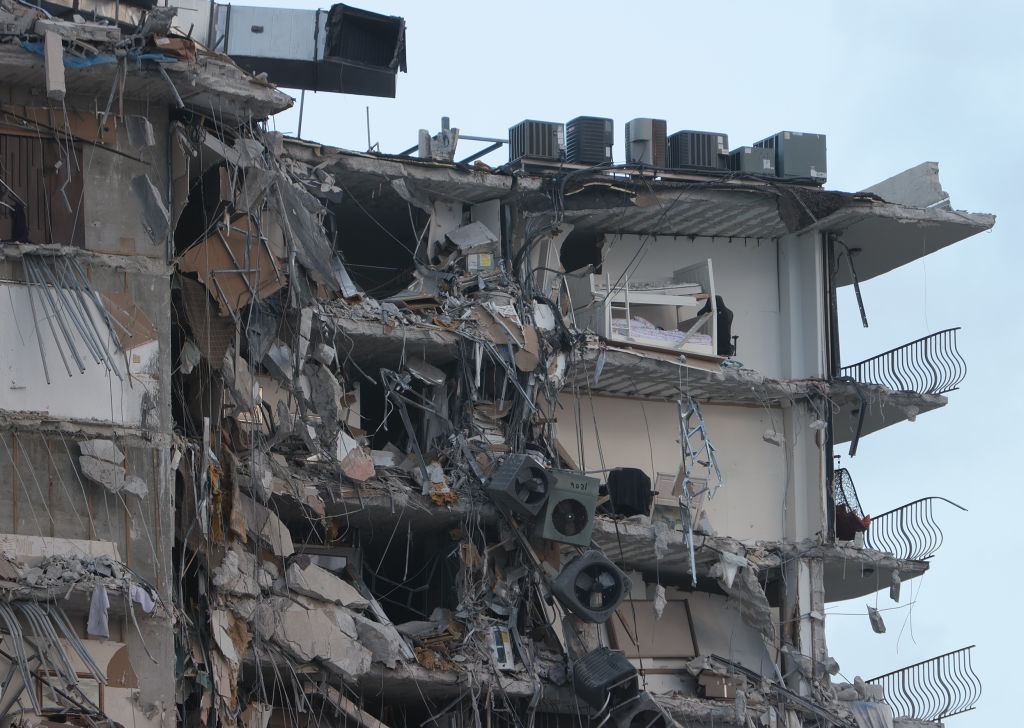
(240, 574)
(264, 524)
(326, 394)
(102, 450)
(384, 641)
(111, 476)
(307, 578)
(311, 634)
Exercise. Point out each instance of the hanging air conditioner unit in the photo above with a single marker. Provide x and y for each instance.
(647, 142)
(591, 586)
(568, 516)
(604, 677)
(521, 485)
(643, 712)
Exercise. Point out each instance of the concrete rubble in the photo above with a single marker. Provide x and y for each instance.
(339, 469)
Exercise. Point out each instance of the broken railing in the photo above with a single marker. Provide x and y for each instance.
(929, 365)
(907, 532)
(934, 689)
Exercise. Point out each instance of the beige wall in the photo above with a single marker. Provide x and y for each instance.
(769, 492)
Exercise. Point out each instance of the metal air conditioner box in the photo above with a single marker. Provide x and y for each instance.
(589, 140)
(798, 155)
(343, 49)
(752, 160)
(647, 142)
(536, 140)
(700, 149)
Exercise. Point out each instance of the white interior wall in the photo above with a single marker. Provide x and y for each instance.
(746, 276)
(801, 298)
(95, 394)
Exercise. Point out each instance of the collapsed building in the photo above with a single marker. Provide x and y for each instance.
(294, 435)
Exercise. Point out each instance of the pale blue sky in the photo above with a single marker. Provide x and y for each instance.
(892, 85)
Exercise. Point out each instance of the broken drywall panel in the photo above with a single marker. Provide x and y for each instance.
(235, 264)
(212, 332)
(472, 238)
(133, 327)
(488, 213)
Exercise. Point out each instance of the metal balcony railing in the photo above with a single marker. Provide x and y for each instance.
(907, 532)
(934, 689)
(929, 365)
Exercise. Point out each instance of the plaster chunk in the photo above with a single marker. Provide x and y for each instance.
(313, 581)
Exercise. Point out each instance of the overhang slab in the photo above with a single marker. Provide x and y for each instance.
(889, 235)
(882, 408)
(211, 84)
(640, 374)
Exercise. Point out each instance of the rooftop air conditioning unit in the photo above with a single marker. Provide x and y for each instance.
(752, 160)
(521, 485)
(647, 142)
(798, 155)
(536, 140)
(591, 586)
(568, 515)
(589, 140)
(697, 149)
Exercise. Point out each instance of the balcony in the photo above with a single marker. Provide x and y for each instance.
(908, 532)
(929, 365)
(903, 539)
(898, 385)
(934, 689)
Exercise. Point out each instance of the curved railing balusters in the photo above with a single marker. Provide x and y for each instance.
(934, 689)
(907, 532)
(929, 365)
